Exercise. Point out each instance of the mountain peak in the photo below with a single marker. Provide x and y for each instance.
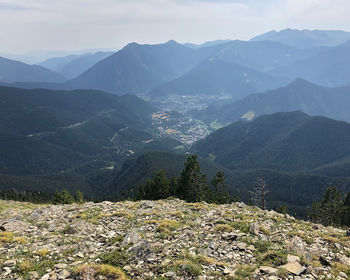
(301, 82)
(172, 42)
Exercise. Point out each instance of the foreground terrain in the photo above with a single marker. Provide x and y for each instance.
(167, 239)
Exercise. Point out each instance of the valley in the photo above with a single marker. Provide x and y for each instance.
(89, 121)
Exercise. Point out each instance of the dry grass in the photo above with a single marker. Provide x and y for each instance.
(223, 228)
(88, 270)
(42, 252)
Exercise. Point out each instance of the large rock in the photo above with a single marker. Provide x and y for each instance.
(294, 267)
(132, 237)
(35, 215)
(292, 258)
(298, 247)
(254, 229)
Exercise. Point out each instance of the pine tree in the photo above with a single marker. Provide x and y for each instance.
(346, 211)
(218, 182)
(79, 196)
(157, 188)
(161, 185)
(329, 210)
(63, 197)
(192, 183)
(174, 184)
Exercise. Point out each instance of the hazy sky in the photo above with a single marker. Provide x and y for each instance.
(27, 25)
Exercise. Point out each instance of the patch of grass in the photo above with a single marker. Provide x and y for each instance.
(262, 246)
(109, 271)
(273, 258)
(177, 214)
(24, 267)
(116, 240)
(187, 268)
(9, 237)
(167, 226)
(91, 215)
(197, 206)
(282, 273)
(339, 267)
(244, 272)
(6, 237)
(124, 214)
(5, 204)
(307, 238)
(69, 230)
(241, 226)
(115, 258)
(223, 228)
(265, 230)
(42, 252)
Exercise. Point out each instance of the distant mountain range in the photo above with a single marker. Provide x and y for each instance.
(328, 68)
(263, 55)
(73, 65)
(299, 95)
(165, 69)
(215, 76)
(138, 68)
(306, 38)
(14, 71)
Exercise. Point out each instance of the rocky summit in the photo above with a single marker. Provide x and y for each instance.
(167, 239)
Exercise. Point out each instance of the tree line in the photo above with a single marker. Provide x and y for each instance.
(190, 186)
(333, 209)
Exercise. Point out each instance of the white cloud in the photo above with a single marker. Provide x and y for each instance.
(81, 24)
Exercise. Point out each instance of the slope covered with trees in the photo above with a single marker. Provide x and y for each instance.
(12, 71)
(70, 134)
(282, 141)
(299, 95)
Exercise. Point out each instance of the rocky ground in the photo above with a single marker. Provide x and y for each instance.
(167, 239)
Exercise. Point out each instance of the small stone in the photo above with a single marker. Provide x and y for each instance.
(9, 263)
(60, 265)
(268, 270)
(170, 274)
(242, 246)
(64, 274)
(45, 277)
(127, 268)
(147, 204)
(251, 248)
(228, 271)
(34, 275)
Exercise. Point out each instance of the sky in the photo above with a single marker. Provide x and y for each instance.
(27, 25)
